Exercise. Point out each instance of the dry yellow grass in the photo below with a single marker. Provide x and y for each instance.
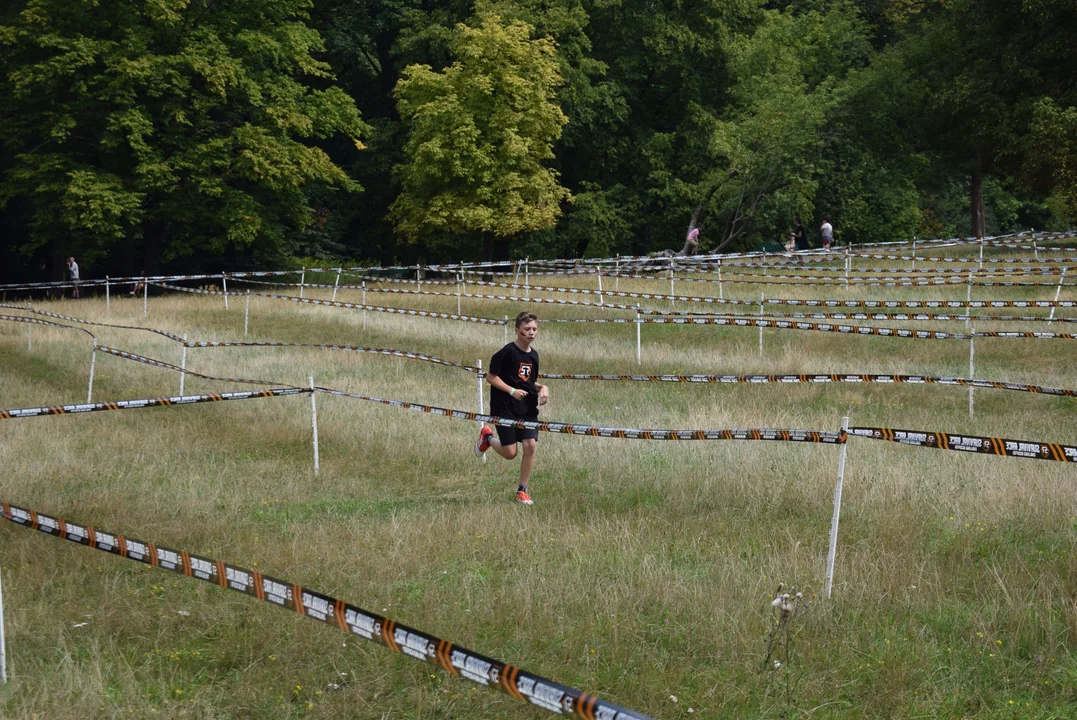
(644, 570)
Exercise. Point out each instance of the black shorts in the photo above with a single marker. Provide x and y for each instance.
(512, 435)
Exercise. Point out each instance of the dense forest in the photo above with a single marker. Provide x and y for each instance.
(177, 135)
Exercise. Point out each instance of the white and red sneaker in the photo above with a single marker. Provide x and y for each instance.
(483, 443)
(523, 497)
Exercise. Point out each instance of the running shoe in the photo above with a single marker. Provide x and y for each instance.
(483, 443)
(523, 498)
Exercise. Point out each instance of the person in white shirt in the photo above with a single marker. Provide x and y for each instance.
(828, 233)
(73, 275)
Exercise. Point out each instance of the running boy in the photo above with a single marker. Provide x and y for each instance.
(514, 395)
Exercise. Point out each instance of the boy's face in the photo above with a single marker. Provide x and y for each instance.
(526, 333)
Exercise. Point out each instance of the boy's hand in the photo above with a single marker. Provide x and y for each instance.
(544, 395)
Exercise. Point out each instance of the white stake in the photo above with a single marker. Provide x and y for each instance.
(478, 377)
(672, 303)
(764, 263)
(972, 354)
(314, 422)
(968, 299)
(30, 328)
(721, 296)
(527, 278)
(336, 283)
(3, 652)
(93, 363)
(600, 298)
(617, 275)
(981, 254)
(762, 301)
(1035, 249)
(247, 313)
(837, 512)
(1058, 291)
(418, 280)
(302, 282)
(914, 254)
(108, 298)
(183, 363)
(364, 304)
(639, 348)
(145, 299)
(224, 285)
(459, 292)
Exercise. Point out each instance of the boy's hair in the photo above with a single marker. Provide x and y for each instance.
(826, 219)
(525, 317)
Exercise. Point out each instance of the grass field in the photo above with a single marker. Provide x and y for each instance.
(645, 570)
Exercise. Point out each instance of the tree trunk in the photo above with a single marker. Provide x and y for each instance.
(977, 192)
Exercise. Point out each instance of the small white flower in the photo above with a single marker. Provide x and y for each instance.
(777, 664)
(691, 710)
(673, 698)
(184, 613)
(78, 625)
(776, 602)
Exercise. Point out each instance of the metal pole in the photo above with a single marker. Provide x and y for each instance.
(478, 378)
(336, 283)
(639, 349)
(3, 652)
(93, 363)
(183, 363)
(364, 304)
(108, 298)
(224, 285)
(247, 313)
(314, 422)
(837, 509)
(1057, 292)
(302, 282)
(145, 299)
(762, 301)
(972, 354)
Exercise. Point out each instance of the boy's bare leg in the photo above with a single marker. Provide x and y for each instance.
(509, 453)
(527, 464)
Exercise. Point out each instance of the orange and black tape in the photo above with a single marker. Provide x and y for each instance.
(1028, 449)
(520, 684)
(147, 402)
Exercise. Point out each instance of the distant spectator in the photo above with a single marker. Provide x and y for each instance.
(827, 231)
(73, 276)
(800, 236)
(140, 284)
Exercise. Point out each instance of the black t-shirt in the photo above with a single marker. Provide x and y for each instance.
(801, 237)
(518, 369)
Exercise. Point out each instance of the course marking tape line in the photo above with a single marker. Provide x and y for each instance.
(833, 378)
(69, 318)
(147, 402)
(971, 443)
(326, 346)
(922, 317)
(35, 321)
(810, 436)
(422, 646)
(126, 355)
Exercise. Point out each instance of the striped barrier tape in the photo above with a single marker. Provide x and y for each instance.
(781, 435)
(971, 443)
(126, 355)
(732, 322)
(922, 317)
(455, 660)
(952, 277)
(340, 304)
(164, 333)
(831, 378)
(146, 402)
(35, 321)
(324, 346)
(720, 379)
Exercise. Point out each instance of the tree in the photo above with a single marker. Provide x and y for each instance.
(165, 128)
(480, 132)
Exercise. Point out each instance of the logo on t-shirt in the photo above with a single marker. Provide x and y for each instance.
(525, 371)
